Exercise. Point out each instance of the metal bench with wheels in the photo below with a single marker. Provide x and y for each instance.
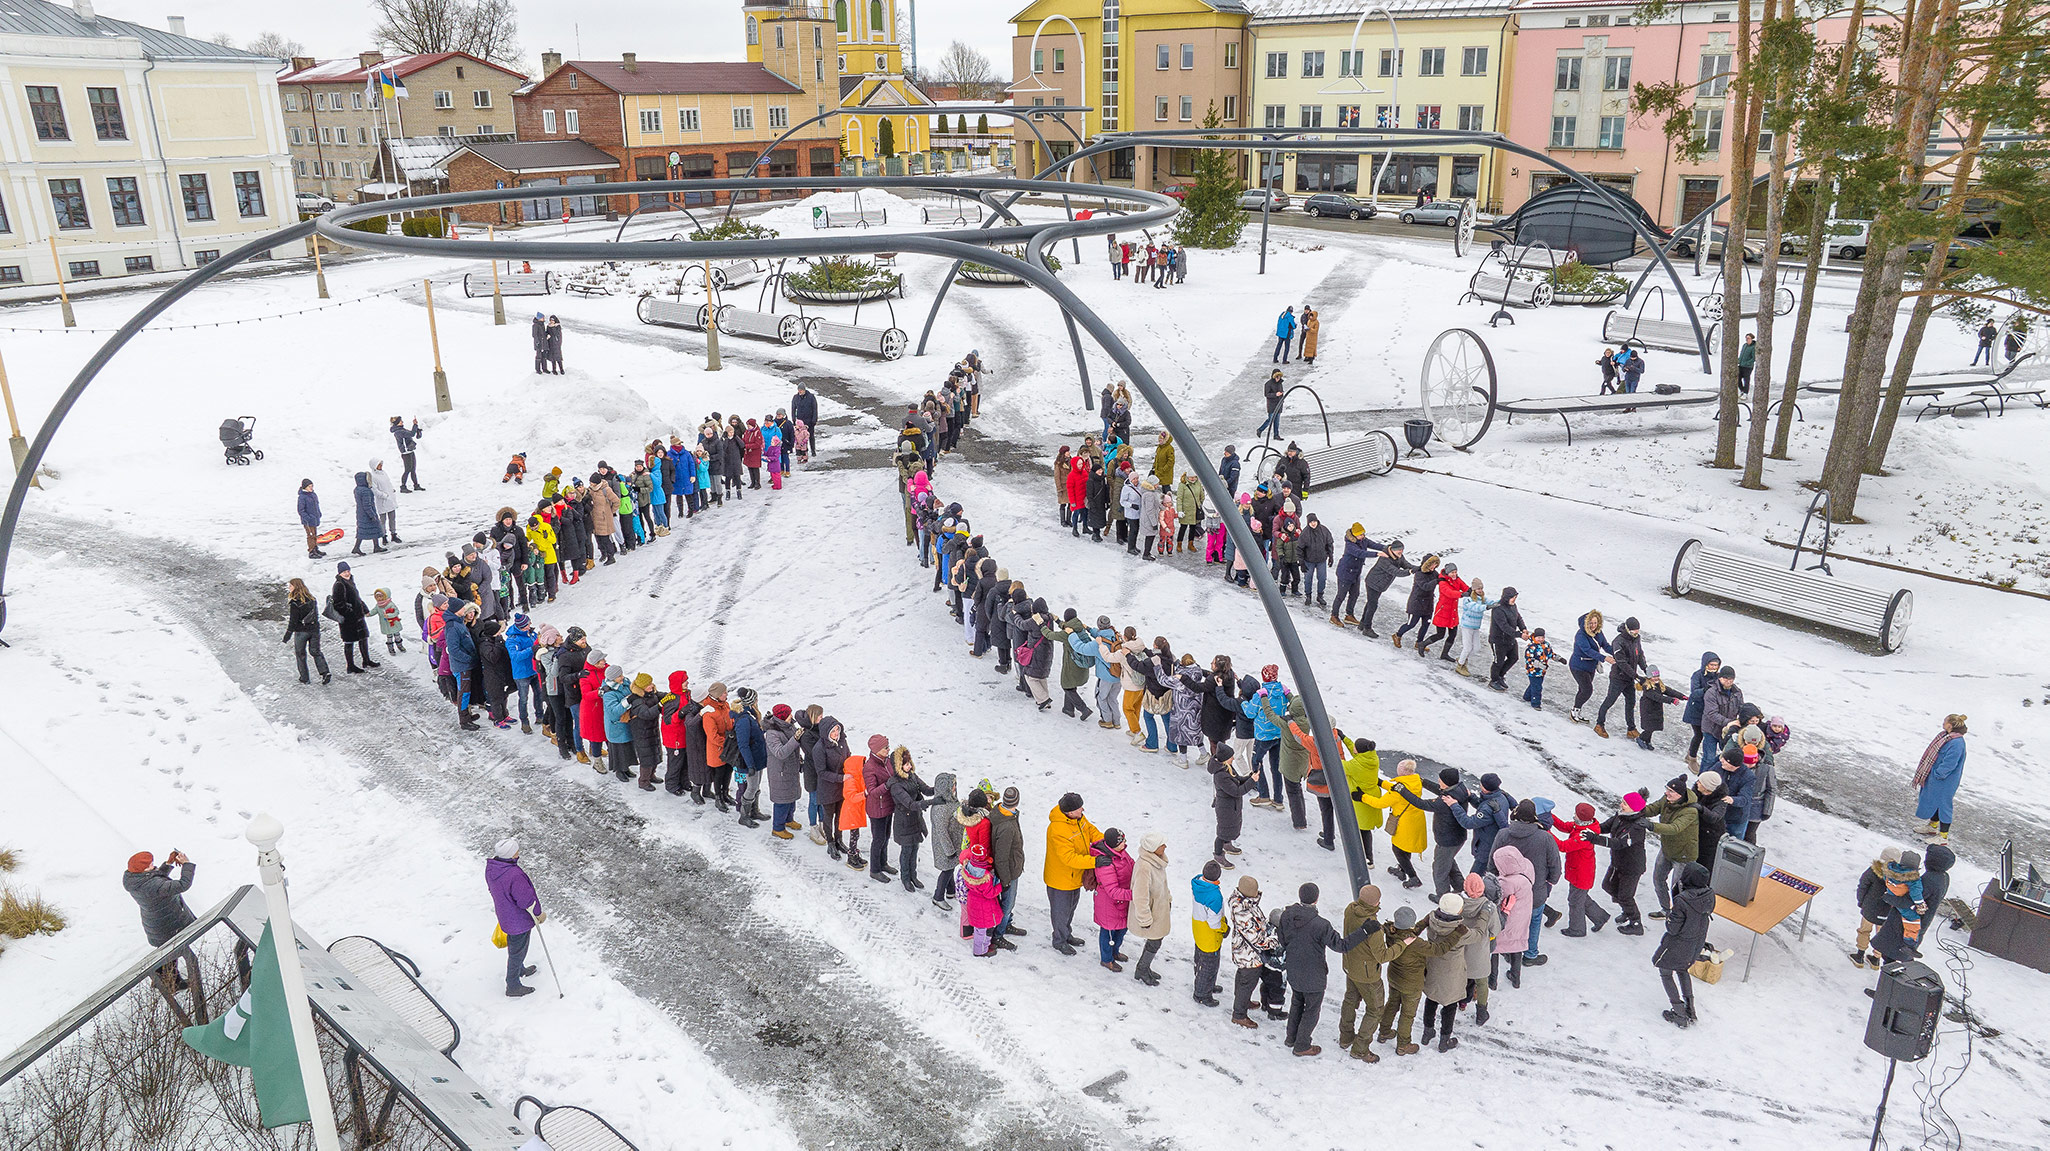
(671, 313)
(1748, 303)
(961, 212)
(1670, 335)
(587, 288)
(735, 273)
(784, 327)
(857, 218)
(1522, 278)
(511, 283)
(572, 1128)
(396, 979)
(1374, 454)
(1803, 595)
(884, 343)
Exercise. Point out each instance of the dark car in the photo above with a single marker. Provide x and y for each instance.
(1338, 204)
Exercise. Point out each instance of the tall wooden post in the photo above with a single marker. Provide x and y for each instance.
(15, 443)
(441, 401)
(497, 301)
(712, 360)
(63, 296)
(319, 274)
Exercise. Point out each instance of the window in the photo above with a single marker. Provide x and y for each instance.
(1348, 115)
(840, 17)
(743, 119)
(1160, 107)
(1431, 62)
(687, 120)
(1277, 65)
(363, 134)
(779, 34)
(1060, 60)
(1473, 61)
(1708, 129)
(481, 98)
(4, 225)
(818, 68)
(569, 119)
(106, 107)
(1428, 115)
(327, 135)
(1764, 141)
(1573, 21)
(67, 198)
(1312, 115)
(249, 194)
(779, 116)
(349, 169)
(1274, 116)
(818, 38)
(651, 121)
(1472, 118)
(1567, 77)
(1039, 101)
(1231, 54)
(1391, 62)
(484, 130)
(1038, 60)
(1313, 65)
(302, 167)
(876, 30)
(1231, 110)
(1160, 57)
(48, 112)
(1188, 109)
(445, 130)
(459, 71)
(291, 101)
(356, 100)
(84, 269)
(126, 200)
(1611, 133)
(1564, 128)
(1597, 20)
(548, 120)
(1188, 57)
(754, 32)
(1387, 115)
(1715, 75)
(135, 264)
(1616, 74)
(11, 274)
(199, 204)
(443, 98)
(320, 101)
(206, 256)
(1352, 63)
(295, 136)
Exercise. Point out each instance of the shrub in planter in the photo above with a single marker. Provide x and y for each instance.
(1051, 262)
(1578, 279)
(841, 274)
(733, 229)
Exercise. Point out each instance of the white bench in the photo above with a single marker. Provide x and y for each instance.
(859, 218)
(587, 288)
(1672, 335)
(963, 212)
(1374, 454)
(572, 1128)
(671, 313)
(784, 328)
(1748, 304)
(884, 343)
(511, 283)
(734, 274)
(1514, 291)
(396, 979)
(1818, 599)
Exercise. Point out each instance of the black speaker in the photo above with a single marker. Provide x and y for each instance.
(1904, 1011)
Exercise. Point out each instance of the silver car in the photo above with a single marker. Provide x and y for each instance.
(1445, 212)
(1252, 199)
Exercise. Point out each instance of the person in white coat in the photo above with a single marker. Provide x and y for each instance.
(385, 500)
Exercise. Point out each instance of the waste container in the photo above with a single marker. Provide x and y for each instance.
(1417, 433)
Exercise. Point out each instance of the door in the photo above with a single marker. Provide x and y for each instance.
(1695, 197)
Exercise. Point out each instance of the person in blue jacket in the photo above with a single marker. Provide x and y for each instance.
(660, 477)
(1937, 775)
(1284, 334)
(1697, 695)
(309, 518)
(1228, 469)
(1491, 808)
(519, 644)
(1266, 734)
(459, 647)
(369, 525)
(752, 742)
(1590, 651)
(619, 737)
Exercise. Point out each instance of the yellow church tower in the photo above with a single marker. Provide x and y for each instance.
(873, 87)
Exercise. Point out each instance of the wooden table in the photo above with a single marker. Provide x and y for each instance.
(1780, 894)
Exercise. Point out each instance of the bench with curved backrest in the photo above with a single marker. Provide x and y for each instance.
(1374, 454)
(1816, 598)
(850, 218)
(1514, 291)
(782, 327)
(882, 343)
(1619, 327)
(396, 979)
(735, 273)
(511, 283)
(1712, 305)
(572, 1128)
(671, 313)
(960, 212)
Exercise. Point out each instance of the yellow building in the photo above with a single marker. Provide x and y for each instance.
(1444, 65)
(870, 67)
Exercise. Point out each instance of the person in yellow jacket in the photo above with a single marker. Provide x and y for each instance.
(1407, 834)
(551, 483)
(1209, 925)
(1069, 835)
(541, 537)
(1363, 779)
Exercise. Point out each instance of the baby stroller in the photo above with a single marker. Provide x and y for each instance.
(235, 436)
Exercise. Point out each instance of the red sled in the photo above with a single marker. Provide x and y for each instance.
(329, 536)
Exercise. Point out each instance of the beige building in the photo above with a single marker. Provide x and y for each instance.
(337, 122)
(138, 150)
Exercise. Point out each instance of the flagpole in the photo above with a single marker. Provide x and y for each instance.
(264, 832)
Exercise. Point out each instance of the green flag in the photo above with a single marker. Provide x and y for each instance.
(257, 1033)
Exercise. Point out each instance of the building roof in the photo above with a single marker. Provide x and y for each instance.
(683, 78)
(1236, 7)
(40, 18)
(352, 71)
(424, 157)
(539, 156)
(1285, 11)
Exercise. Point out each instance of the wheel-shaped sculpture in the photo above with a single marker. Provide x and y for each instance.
(1893, 630)
(1541, 296)
(1711, 305)
(1683, 568)
(1463, 238)
(894, 342)
(1459, 387)
(790, 330)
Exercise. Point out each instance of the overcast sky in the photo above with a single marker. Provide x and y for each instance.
(656, 29)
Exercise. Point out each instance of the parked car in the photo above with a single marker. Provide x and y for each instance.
(1253, 198)
(1918, 252)
(1844, 239)
(1754, 248)
(1179, 191)
(313, 202)
(1338, 204)
(1445, 212)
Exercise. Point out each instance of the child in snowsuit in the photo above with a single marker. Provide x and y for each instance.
(1578, 847)
(1213, 545)
(1653, 696)
(1904, 894)
(1287, 568)
(1536, 655)
(516, 469)
(981, 908)
(390, 621)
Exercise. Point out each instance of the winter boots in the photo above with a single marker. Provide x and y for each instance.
(1679, 1015)
(1601, 731)
(1861, 959)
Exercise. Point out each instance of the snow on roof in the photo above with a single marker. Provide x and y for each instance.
(382, 189)
(352, 71)
(40, 18)
(422, 157)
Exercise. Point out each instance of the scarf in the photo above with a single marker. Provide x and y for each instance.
(1929, 754)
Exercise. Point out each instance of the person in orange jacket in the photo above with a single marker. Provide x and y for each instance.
(718, 724)
(1068, 836)
(854, 810)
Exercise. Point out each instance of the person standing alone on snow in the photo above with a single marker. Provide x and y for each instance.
(1273, 391)
(519, 911)
(1284, 334)
(161, 899)
(409, 442)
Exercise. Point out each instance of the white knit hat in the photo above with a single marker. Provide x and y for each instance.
(508, 848)
(1451, 904)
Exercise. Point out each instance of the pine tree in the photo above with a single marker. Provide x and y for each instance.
(1210, 216)
(886, 139)
(982, 125)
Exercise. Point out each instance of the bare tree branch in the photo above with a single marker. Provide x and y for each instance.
(488, 29)
(968, 69)
(278, 45)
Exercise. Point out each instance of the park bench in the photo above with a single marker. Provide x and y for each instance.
(1803, 595)
(1986, 392)
(587, 288)
(511, 283)
(1613, 403)
(850, 218)
(959, 212)
(1513, 291)
(1620, 327)
(884, 343)
(784, 327)
(396, 979)
(735, 273)
(671, 313)
(1749, 303)
(1520, 277)
(572, 1128)
(1372, 455)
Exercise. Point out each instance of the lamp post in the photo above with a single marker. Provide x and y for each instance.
(264, 832)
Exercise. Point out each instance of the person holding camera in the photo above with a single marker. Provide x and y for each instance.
(161, 899)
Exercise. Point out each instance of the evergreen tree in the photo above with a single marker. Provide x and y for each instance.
(982, 124)
(886, 139)
(1210, 216)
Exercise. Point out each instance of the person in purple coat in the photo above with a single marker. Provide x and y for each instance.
(519, 911)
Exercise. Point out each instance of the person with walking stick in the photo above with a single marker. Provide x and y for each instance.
(519, 911)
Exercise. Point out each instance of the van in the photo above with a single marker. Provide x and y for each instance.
(1843, 239)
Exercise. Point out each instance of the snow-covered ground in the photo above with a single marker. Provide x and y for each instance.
(729, 989)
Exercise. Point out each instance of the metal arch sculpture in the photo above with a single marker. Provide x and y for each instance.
(1153, 208)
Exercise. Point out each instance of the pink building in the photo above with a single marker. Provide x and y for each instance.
(1574, 65)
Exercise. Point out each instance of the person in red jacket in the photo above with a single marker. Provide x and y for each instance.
(1579, 867)
(675, 739)
(1445, 620)
(751, 454)
(591, 708)
(1078, 493)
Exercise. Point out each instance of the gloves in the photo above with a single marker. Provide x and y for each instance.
(1356, 796)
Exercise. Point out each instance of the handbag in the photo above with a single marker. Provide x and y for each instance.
(330, 611)
(498, 938)
(1708, 968)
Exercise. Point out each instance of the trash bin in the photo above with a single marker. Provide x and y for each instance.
(1417, 433)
